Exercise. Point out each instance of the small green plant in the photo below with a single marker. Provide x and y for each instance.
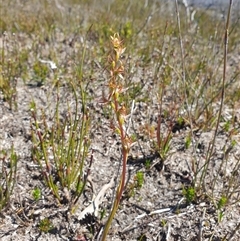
(127, 30)
(226, 126)
(163, 222)
(189, 194)
(137, 183)
(8, 170)
(40, 72)
(147, 164)
(142, 237)
(188, 141)
(36, 193)
(220, 205)
(139, 179)
(102, 213)
(45, 225)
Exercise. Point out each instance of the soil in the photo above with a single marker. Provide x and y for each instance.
(156, 211)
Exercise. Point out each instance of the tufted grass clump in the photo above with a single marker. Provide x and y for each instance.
(61, 145)
(61, 149)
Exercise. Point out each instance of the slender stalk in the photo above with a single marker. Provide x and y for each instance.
(211, 145)
(118, 196)
(184, 75)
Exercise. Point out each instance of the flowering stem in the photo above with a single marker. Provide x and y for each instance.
(115, 88)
